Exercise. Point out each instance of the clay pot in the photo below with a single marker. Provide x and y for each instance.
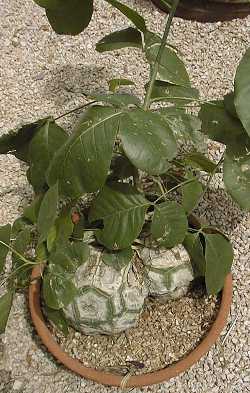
(207, 11)
(112, 379)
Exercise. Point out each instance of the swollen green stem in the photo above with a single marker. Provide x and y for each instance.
(159, 55)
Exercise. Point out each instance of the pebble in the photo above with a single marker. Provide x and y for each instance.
(211, 53)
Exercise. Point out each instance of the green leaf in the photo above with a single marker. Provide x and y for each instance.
(191, 193)
(125, 38)
(236, 172)
(169, 225)
(64, 225)
(82, 164)
(21, 245)
(70, 256)
(5, 232)
(200, 161)
(171, 68)
(242, 91)
(147, 141)
(58, 319)
(47, 140)
(115, 84)
(122, 209)
(230, 105)
(178, 95)
(31, 212)
(132, 15)
(17, 141)
(193, 245)
(5, 306)
(47, 213)
(70, 17)
(118, 100)
(118, 259)
(218, 124)
(219, 258)
(121, 168)
(19, 225)
(58, 288)
(185, 127)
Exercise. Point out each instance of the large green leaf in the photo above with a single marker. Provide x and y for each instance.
(31, 212)
(199, 161)
(237, 172)
(118, 100)
(47, 140)
(191, 193)
(230, 105)
(47, 213)
(5, 232)
(242, 91)
(58, 319)
(118, 259)
(219, 258)
(131, 14)
(5, 306)
(171, 68)
(193, 245)
(129, 37)
(122, 209)
(82, 164)
(116, 83)
(186, 127)
(147, 141)
(169, 224)
(58, 288)
(17, 141)
(21, 245)
(71, 16)
(178, 95)
(218, 124)
(70, 256)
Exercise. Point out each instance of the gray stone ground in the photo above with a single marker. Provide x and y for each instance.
(41, 74)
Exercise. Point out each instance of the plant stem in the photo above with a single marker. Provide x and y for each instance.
(74, 110)
(174, 188)
(159, 55)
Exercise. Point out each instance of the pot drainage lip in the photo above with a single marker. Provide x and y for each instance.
(208, 11)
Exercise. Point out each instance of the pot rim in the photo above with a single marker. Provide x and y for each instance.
(110, 379)
(210, 11)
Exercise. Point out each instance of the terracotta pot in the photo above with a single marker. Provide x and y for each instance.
(207, 11)
(116, 380)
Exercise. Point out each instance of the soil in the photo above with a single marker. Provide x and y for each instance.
(165, 334)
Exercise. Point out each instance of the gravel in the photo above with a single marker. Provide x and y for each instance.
(44, 74)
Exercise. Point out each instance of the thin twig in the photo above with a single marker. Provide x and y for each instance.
(75, 109)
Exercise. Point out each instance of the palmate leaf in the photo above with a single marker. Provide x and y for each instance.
(131, 14)
(87, 151)
(31, 212)
(171, 68)
(47, 140)
(118, 259)
(178, 95)
(5, 306)
(116, 83)
(169, 224)
(191, 193)
(219, 258)
(5, 232)
(129, 37)
(69, 17)
(147, 141)
(17, 141)
(218, 124)
(230, 105)
(122, 209)
(242, 91)
(199, 161)
(70, 256)
(236, 171)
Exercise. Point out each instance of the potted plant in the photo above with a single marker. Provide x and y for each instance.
(111, 221)
(208, 10)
